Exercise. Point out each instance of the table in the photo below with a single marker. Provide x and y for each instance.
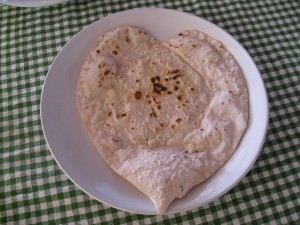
(33, 189)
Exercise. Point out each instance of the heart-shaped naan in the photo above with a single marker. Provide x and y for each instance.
(163, 116)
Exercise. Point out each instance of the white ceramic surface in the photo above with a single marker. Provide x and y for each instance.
(31, 3)
(75, 153)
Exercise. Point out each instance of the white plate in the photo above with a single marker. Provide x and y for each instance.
(31, 3)
(75, 153)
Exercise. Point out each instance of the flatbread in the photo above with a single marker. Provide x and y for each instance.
(209, 58)
(155, 118)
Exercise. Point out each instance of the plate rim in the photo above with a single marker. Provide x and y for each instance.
(265, 100)
(31, 4)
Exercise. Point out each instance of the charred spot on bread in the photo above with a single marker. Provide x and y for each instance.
(137, 95)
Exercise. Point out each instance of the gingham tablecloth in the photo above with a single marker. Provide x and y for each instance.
(33, 189)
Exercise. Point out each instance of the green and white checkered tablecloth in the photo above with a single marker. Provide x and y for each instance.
(33, 189)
